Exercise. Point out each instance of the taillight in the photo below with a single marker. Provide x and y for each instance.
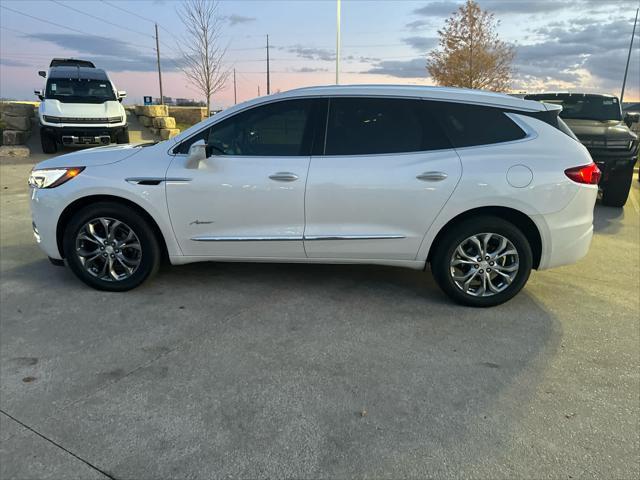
(588, 174)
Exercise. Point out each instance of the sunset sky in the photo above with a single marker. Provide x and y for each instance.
(560, 44)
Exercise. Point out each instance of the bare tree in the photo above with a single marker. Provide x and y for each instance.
(470, 54)
(202, 54)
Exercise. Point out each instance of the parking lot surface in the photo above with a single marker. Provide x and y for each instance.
(312, 371)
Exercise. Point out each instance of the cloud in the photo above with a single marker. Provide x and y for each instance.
(421, 43)
(444, 8)
(7, 62)
(108, 53)
(417, 24)
(235, 19)
(580, 53)
(309, 69)
(310, 53)
(416, 68)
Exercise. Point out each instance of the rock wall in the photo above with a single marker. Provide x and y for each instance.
(189, 115)
(16, 122)
(156, 118)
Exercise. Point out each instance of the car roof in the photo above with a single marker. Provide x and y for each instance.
(460, 95)
(78, 72)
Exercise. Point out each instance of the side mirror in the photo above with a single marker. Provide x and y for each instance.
(39, 94)
(42, 73)
(631, 118)
(121, 94)
(197, 153)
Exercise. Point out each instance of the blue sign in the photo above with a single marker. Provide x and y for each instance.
(148, 100)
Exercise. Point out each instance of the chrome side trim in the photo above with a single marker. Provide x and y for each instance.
(288, 238)
(207, 238)
(154, 180)
(352, 237)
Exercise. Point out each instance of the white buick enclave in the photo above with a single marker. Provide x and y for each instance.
(481, 186)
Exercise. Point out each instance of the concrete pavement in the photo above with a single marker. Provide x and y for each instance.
(311, 371)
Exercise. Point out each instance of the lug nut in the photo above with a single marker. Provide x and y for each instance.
(101, 248)
(487, 257)
(488, 269)
(481, 271)
(104, 254)
(491, 263)
(113, 256)
(476, 266)
(479, 259)
(117, 251)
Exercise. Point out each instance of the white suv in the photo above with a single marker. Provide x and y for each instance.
(482, 186)
(80, 106)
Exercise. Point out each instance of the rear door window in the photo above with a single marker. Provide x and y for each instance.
(470, 125)
(369, 126)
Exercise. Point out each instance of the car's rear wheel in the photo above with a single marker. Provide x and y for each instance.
(482, 262)
(615, 190)
(111, 247)
(48, 143)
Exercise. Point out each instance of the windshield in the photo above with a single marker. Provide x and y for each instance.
(74, 90)
(584, 107)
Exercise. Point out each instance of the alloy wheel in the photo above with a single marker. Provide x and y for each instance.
(108, 249)
(484, 264)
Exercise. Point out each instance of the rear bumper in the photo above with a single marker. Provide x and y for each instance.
(566, 235)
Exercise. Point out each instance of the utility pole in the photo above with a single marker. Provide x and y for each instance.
(338, 43)
(159, 71)
(258, 90)
(268, 79)
(626, 69)
(235, 92)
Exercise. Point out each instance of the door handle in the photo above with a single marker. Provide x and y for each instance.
(432, 176)
(284, 177)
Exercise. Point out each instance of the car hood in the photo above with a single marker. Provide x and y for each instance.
(92, 157)
(111, 108)
(612, 129)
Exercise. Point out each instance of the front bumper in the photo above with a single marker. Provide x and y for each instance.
(611, 162)
(83, 135)
(46, 207)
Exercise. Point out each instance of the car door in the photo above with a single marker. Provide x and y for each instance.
(386, 172)
(247, 198)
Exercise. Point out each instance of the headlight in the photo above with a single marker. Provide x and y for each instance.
(115, 119)
(50, 119)
(52, 177)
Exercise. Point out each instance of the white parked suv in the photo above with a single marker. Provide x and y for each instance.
(481, 186)
(80, 106)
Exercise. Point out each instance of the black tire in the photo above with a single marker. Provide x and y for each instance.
(150, 255)
(48, 143)
(615, 190)
(455, 235)
(123, 136)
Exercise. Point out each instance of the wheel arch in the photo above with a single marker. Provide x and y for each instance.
(82, 202)
(516, 217)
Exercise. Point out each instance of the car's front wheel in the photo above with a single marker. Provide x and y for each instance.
(111, 247)
(482, 262)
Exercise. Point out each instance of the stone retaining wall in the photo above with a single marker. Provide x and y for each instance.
(16, 122)
(157, 119)
(188, 115)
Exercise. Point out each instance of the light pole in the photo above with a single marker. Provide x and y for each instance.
(626, 68)
(338, 42)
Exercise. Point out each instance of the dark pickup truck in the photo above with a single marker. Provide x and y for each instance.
(597, 121)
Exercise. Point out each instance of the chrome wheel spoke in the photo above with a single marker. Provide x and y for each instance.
(484, 264)
(108, 249)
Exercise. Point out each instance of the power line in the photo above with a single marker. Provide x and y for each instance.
(71, 29)
(128, 11)
(100, 19)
